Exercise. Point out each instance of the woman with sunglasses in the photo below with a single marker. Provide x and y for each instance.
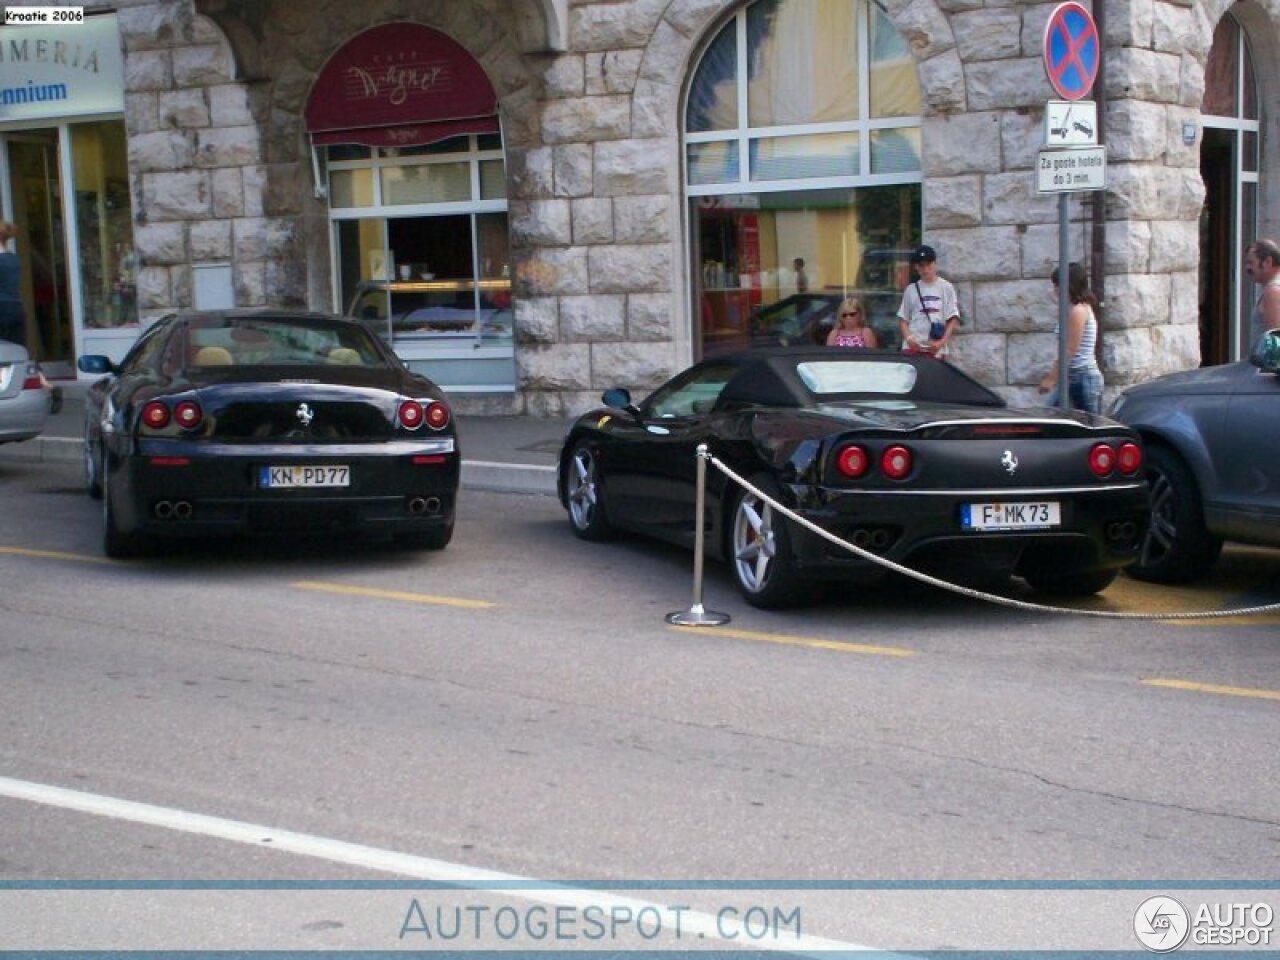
(849, 330)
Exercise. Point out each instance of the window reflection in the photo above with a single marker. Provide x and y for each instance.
(802, 62)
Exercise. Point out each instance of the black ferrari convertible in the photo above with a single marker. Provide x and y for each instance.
(903, 456)
(266, 422)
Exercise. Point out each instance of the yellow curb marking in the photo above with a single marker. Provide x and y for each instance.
(1211, 688)
(53, 555)
(393, 595)
(798, 641)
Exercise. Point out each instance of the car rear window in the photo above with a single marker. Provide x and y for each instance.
(835, 376)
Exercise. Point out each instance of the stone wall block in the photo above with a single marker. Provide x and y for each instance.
(537, 320)
(554, 366)
(162, 150)
(142, 111)
(228, 194)
(202, 66)
(222, 147)
(613, 26)
(691, 17)
(1178, 30)
(1181, 154)
(1137, 300)
(1136, 131)
(286, 278)
(182, 109)
(640, 268)
(148, 70)
(1175, 245)
(1128, 247)
(982, 253)
(593, 318)
(644, 219)
(565, 76)
(161, 243)
(649, 316)
(1130, 24)
(614, 71)
(180, 285)
(1012, 306)
(233, 105)
(552, 271)
(954, 201)
(261, 238)
(942, 79)
(251, 284)
(586, 119)
(1021, 138)
(961, 143)
(637, 366)
(541, 222)
(634, 167)
(1139, 74)
(988, 34)
(1031, 355)
(531, 172)
(149, 26)
(927, 34)
(653, 109)
(980, 355)
(574, 168)
(1175, 347)
(210, 240)
(666, 55)
(1129, 356)
(592, 220)
(1002, 84)
(1149, 192)
(176, 196)
(154, 289)
(1191, 84)
(1012, 198)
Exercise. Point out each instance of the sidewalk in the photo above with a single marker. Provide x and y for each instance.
(507, 454)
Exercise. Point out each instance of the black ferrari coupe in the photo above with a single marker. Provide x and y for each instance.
(903, 456)
(266, 422)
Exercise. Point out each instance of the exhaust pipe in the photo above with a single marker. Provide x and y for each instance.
(879, 540)
(861, 537)
(1121, 531)
(164, 510)
(417, 506)
(433, 505)
(182, 510)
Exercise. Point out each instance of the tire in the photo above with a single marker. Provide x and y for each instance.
(1074, 584)
(92, 469)
(584, 494)
(116, 543)
(760, 553)
(437, 538)
(1178, 547)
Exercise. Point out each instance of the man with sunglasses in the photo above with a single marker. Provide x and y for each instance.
(930, 310)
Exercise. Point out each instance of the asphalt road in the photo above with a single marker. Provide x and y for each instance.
(517, 703)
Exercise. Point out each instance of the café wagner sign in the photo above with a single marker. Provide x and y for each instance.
(59, 70)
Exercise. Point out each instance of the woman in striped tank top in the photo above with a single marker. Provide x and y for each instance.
(1084, 378)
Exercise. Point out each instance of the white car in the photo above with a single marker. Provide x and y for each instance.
(26, 397)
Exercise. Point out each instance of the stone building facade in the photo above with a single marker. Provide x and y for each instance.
(591, 99)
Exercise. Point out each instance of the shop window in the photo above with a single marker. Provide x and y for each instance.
(104, 221)
(803, 172)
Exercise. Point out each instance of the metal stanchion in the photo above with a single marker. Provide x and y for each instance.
(697, 615)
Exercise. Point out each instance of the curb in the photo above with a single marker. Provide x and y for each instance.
(476, 474)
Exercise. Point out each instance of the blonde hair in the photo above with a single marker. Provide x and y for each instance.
(851, 303)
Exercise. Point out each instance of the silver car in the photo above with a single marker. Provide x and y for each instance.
(26, 398)
(1211, 459)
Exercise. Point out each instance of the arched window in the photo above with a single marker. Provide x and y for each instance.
(802, 171)
(1229, 165)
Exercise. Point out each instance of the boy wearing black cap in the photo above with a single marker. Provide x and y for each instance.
(930, 309)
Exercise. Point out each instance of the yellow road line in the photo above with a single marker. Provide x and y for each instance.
(1212, 688)
(799, 641)
(393, 595)
(53, 555)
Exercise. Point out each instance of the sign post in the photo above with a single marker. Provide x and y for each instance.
(1071, 160)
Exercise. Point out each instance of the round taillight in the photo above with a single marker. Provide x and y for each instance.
(1102, 459)
(437, 415)
(188, 414)
(155, 415)
(852, 461)
(1130, 458)
(895, 462)
(411, 414)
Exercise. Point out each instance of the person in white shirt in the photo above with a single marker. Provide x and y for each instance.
(930, 311)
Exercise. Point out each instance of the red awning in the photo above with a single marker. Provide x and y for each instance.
(400, 84)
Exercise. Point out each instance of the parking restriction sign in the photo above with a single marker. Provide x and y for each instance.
(1071, 50)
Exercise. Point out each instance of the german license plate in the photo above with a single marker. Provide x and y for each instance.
(317, 475)
(1010, 516)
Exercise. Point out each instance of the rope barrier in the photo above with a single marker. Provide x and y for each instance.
(705, 454)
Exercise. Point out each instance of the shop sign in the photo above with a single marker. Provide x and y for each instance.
(59, 70)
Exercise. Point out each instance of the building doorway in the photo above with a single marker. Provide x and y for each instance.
(35, 192)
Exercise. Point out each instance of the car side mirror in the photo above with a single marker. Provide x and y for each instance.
(619, 398)
(1265, 354)
(95, 363)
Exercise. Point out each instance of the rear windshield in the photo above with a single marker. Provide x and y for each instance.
(266, 341)
(834, 376)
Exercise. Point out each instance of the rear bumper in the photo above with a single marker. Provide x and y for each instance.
(23, 415)
(1100, 529)
(219, 491)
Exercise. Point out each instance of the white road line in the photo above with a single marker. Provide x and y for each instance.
(371, 858)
